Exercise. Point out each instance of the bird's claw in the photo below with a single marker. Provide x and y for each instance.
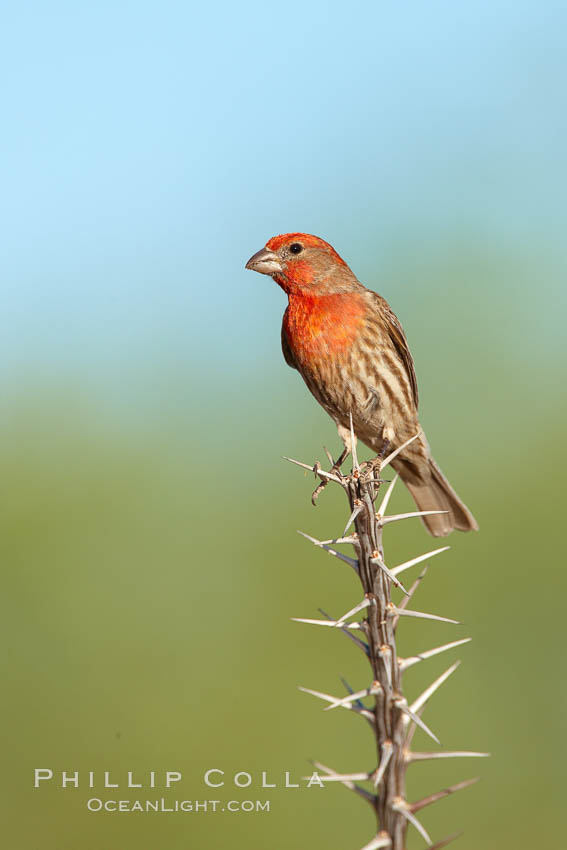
(334, 470)
(315, 494)
(370, 468)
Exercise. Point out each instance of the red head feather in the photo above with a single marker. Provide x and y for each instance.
(305, 239)
(316, 266)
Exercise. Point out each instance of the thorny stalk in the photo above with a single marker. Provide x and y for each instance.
(392, 719)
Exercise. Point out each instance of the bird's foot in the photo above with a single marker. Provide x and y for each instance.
(334, 470)
(370, 469)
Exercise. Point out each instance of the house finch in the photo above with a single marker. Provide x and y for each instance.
(352, 353)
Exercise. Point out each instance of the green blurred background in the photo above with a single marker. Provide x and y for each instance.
(150, 557)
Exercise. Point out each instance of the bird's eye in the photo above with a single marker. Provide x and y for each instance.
(296, 248)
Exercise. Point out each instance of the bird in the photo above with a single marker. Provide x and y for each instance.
(351, 350)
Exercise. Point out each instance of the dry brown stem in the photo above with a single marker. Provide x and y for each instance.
(392, 719)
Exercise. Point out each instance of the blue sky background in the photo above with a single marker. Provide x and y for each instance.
(148, 149)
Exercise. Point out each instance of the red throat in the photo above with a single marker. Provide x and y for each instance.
(296, 279)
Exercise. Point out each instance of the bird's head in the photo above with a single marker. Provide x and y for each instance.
(300, 262)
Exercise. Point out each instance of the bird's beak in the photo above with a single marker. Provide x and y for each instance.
(265, 262)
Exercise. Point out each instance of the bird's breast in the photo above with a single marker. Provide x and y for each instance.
(319, 328)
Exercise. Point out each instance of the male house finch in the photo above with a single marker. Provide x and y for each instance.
(352, 353)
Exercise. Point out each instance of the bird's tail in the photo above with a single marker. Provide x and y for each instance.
(432, 492)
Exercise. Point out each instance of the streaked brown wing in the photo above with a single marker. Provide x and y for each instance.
(400, 343)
